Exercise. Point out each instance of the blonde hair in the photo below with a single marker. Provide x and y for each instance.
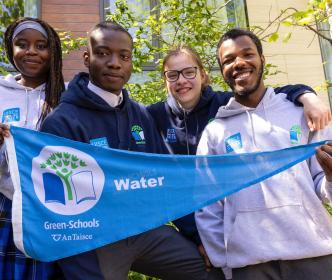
(176, 50)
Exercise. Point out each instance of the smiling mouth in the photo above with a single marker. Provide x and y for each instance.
(183, 90)
(113, 76)
(32, 62)
(242, 75)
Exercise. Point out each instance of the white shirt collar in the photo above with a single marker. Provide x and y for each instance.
(110, 98)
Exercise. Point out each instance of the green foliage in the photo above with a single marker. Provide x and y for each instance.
(136, 276)
(69, 43)
(316, 11)
(270, 70)
(197, 23)
(273, 37)
(9, 11)
(328, 208)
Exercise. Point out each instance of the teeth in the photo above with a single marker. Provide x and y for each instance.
(182, 90)
(243, 75)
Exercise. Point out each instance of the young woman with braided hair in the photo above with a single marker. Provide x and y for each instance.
(34, 49)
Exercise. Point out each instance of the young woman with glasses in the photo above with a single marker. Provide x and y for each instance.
(191, 104)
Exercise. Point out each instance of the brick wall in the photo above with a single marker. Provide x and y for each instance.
(77, 16)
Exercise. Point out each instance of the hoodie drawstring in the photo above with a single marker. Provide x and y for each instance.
(27, 94)
(253, 137)
(186, 128)
(27, 107)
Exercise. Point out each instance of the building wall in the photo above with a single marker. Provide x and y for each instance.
(77, 16)
(300, 58)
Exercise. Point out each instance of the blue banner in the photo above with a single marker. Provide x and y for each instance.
(72, 197)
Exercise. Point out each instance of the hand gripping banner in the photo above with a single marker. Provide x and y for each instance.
(72, 197)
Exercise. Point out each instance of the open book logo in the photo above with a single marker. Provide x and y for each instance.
(138, 134)
(295, 134)
(67, 181)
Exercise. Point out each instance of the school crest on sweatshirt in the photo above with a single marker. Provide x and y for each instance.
(138, 134)
(171, 135)
(233, 143)
(11, 115)
(295, 134)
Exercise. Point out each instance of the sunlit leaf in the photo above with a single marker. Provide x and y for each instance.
(287, 37)
(273, 37)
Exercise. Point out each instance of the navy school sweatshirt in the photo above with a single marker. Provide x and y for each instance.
(84, 116)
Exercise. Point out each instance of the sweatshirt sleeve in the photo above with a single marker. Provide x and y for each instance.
(205, 145)
(187, 227)
(293, 92)
(210, 219)
(323, 188)
(2, 156)
(64, 126)
(210, 225)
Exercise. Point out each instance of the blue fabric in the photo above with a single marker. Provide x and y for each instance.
(13, 263)
(134, 192)
(85, 117)
(182, 131)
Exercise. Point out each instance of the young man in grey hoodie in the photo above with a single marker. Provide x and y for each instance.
(277, 229)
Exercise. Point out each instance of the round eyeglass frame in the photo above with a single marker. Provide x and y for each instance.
(181, 72)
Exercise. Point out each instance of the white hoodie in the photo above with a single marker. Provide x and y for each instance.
(281, 218)
(19, 106)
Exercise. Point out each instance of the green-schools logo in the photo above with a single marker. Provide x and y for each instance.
(295, 134)
(67, 181)
(138, 134)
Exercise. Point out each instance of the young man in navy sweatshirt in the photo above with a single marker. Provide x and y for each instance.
(96, 109)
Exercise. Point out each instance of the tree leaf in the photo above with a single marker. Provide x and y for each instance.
(273, 37)
(287, 37)
(306, 20)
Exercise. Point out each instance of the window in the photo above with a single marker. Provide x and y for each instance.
(234, 12)
(12, 8)
(326, 51)
(31, 8)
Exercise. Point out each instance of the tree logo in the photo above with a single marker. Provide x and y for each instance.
(138, 134)
(67, 181)
(295, 134)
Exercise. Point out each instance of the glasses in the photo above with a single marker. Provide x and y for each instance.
(188, 73)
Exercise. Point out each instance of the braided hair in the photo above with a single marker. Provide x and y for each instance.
(54, 81)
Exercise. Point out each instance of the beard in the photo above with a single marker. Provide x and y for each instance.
(248, 90)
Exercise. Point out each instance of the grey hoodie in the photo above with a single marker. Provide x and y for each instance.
(19, 106)
(281, 218)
